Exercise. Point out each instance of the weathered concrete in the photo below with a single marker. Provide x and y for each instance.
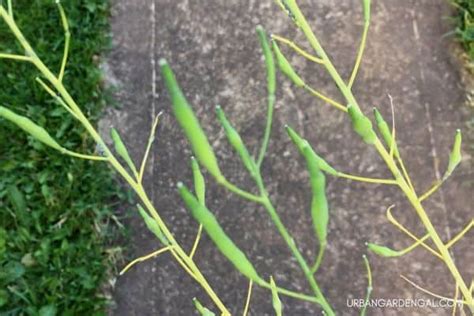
(215, 54)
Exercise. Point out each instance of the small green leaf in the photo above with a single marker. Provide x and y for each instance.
(121, 149)
(236, 141)
(361, 124)
(276, 302)
(286, 67)
(17, 199)
(383, 251)
(30, 127)
(199, 182)
(455, 156)
(152, 225)
(201, 309)
(189, 123)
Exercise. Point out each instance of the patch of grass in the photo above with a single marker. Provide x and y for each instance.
(464, 20)
(54, 224)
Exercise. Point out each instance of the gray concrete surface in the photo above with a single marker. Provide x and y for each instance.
(215, 54)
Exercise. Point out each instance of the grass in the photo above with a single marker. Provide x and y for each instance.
(55, 228)
(464, 21)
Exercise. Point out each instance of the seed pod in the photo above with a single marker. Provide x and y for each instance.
(386, 132)
(218, 236)
(269, 63)
(199, 183)
(31, 128)
(366, 10)
(276, 302)
(382, 250)
(300, 143)
(362, 125)
(190, 124)
(319, 203)
(201, 309)
(122, 150)
(236, 141)
(286, 67)
(152, 225)
(455, 156)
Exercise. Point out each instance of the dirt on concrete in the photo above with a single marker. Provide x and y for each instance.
(215, 54)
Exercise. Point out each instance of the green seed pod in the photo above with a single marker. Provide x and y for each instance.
(276, 302)
(199, 183)
(286, 67)
(362, 125)
(31, 128)
(190, 124)
(218, 236)
(382, 250)
(386, 132)
(300, 143)
(121, 149)
(201, 309)
(269, 63)
(319, 203)
(366, 10)
(236, 141)
(455, 156)
(152, 225)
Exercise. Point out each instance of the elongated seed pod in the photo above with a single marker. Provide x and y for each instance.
(269, 63)
(301, 142)
(121, 149)
(31, 128)
(362, 125)
(455, 156)
(152, 225)
(286, 67)
(366, 4)
(218, 236)
(386, 132)
(236, 141)
(201, 309)
(199, 183)
(383, 251)
(276, 302)
(190, 124)
(319, 203)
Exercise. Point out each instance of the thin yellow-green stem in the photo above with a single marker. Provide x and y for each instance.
(297, 49)
(88, 157)
(247, 301)
(411, 195)
(196, 242)
(67, 40)
(369, 285)
(360, 53)
(392, 220)
(319, 258)
(405, 173)
(432, 190)
(58, 85)
(366, 179)
(326, 99)
(56, 97)
(431, 293)
(15, 57)
(144, 258)
(460, 235)
(415, 244)
(246, 195)
(455, 305)
(151, 139)
(10, 8)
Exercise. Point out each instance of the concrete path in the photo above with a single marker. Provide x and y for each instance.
(215, 54)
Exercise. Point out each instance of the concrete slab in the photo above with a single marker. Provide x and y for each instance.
(214, 51)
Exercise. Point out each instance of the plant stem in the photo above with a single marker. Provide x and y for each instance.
(405, 187)
(138, 188)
